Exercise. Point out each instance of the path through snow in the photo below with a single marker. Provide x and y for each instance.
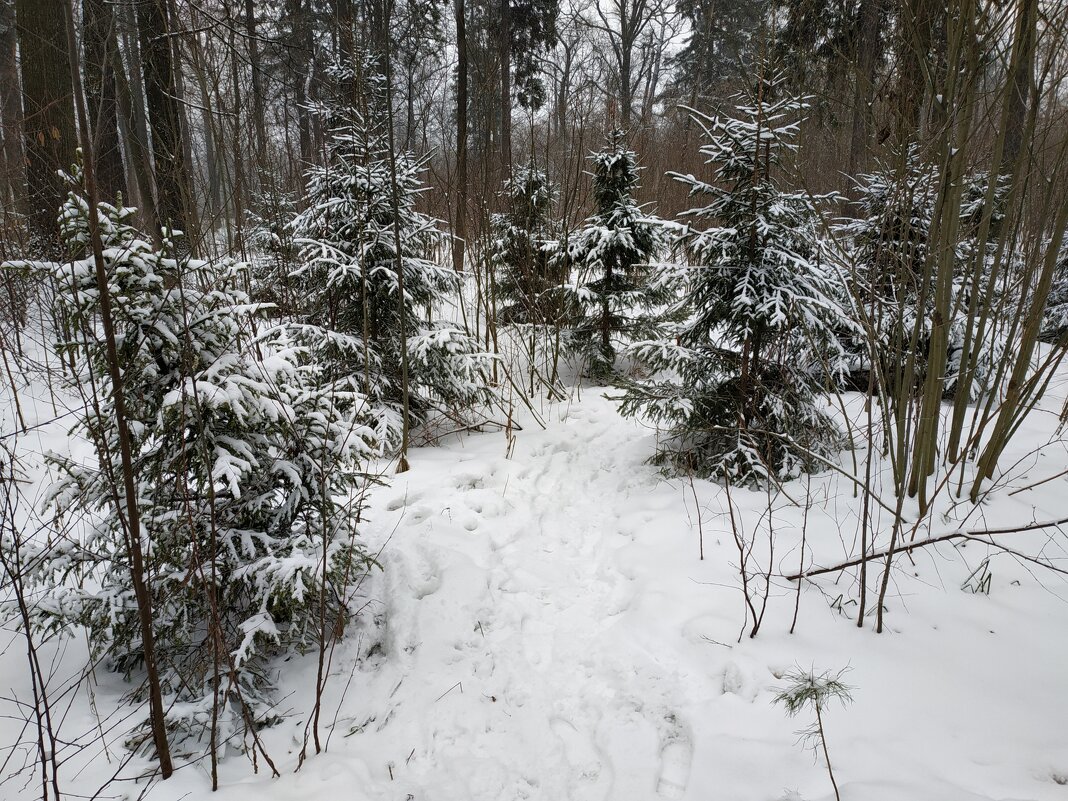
(557, 701)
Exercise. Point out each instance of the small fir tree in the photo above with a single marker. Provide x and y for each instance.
(528, 268)
(243, 466)
(273, 253)
(741, 374)
(807, 689)
(350, 239)
(612, 253)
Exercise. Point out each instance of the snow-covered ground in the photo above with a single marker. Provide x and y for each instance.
(543, 628)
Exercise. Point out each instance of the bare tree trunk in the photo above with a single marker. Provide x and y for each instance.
(626, 59)
(1021, 75)
(459, 241)
(346, 30)
(212, 138)
(652, 82)
(563, 88)
(161, 92)
(133, 520)
(133, 107)
(137, 143)
(48, 121)
(402, 462)
(13, 177)
(300, 55)
(505, 47)
(259, 122)
(238, 195)
(99, 41)
(916, 29)
(868, 46)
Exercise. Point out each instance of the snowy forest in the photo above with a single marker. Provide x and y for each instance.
(560, 400)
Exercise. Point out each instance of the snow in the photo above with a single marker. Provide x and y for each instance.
(543, 628)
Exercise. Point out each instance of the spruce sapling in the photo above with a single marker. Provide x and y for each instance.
(737, 381)
(348, 240)
(244, 457)
(612, 251)
(811, 690)
(528, 268)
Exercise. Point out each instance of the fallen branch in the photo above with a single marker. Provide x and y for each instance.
(959, 534)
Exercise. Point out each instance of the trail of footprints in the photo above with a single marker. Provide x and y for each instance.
(480, 506)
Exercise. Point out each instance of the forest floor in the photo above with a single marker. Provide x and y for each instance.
(544, 628)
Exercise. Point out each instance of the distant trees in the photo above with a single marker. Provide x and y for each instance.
(625, 25)
(724, 39)
(507, 40)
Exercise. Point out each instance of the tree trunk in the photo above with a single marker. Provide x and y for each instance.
(346, 30)
(300, 53)
(238, 195)
(174, 198)
(505, 49)
(1021, 75)
(867, 56)
(98, 42)
(137, 145)
(259, 122)
(914, 59)
(627, 37)
(212, 139)
(11, 159)
(48, 122)
(409, 99)
(459, 241)
(142, 593)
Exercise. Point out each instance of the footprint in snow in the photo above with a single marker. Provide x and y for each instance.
(423, 573)
(400, 502)
(588, 782)
(676, 758)
(735, 682)
(419, 514)
(502, 536)
(537, 643)
(470, 481)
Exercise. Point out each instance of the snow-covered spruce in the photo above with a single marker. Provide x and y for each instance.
(528, 268)
(273, 253)
(1055, 317)
(890, 278)
(612, 252)
(349, 238)
(246, 475)
(738, 378)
